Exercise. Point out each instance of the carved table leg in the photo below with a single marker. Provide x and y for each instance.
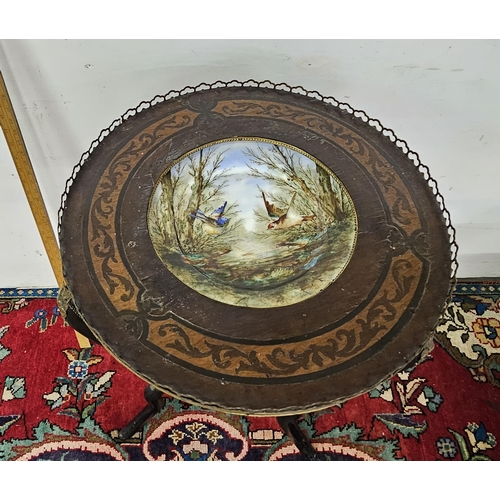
(290, 426)
(153, 396)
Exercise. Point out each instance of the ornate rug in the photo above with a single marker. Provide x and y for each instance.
(61, 402)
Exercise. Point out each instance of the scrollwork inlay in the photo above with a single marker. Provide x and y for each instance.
(106, 259)
(309, 356)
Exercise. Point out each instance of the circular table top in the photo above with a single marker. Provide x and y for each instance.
(255, 250)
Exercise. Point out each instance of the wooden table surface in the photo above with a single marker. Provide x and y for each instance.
(255, 251)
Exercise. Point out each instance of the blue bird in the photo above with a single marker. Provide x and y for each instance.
(214, 222)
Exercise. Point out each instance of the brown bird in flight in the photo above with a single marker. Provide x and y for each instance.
(284, 219)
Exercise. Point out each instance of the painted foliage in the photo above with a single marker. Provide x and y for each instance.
(252, 223)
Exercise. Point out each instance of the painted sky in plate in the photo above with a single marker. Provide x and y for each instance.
(243, 262)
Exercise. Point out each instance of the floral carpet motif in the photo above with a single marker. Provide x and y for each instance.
(62, 402)
(470, 330)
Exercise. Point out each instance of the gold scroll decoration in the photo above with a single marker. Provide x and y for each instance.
(106, 259)
(183, 343)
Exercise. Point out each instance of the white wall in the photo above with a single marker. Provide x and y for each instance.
(441, 96)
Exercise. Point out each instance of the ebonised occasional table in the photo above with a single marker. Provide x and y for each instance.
(255, 248)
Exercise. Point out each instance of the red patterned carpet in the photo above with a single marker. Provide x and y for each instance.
(60, 402)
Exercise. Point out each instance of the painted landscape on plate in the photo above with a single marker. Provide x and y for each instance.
(252, 223)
